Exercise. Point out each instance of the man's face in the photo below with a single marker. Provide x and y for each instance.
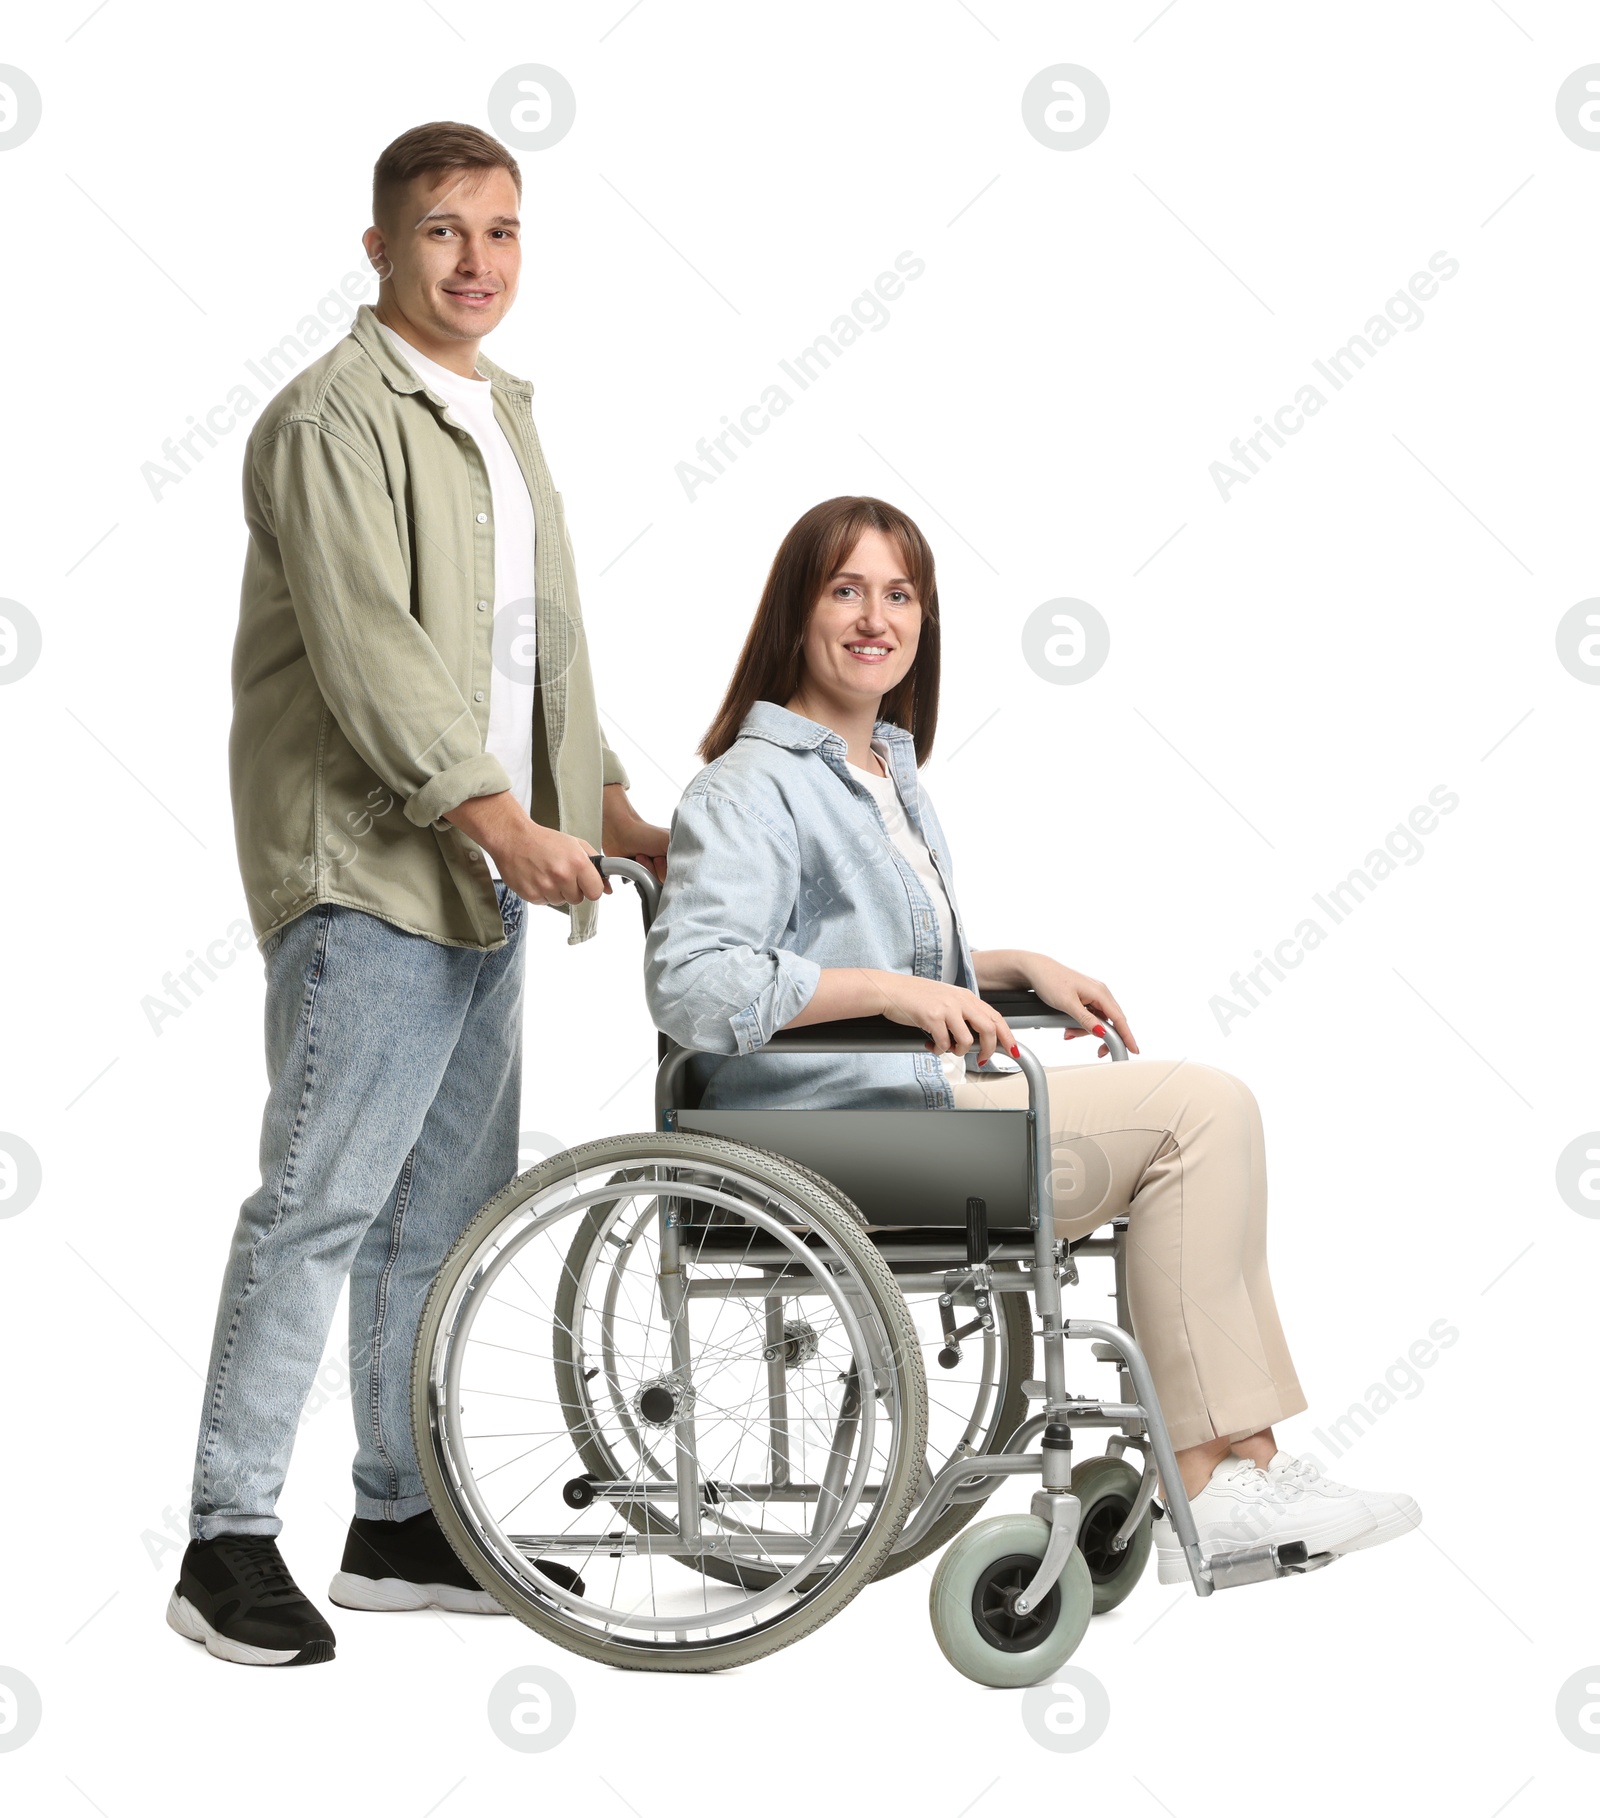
(452, 254)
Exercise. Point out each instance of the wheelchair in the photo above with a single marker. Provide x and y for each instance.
(729, 1371)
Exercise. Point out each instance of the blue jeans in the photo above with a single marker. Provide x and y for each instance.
(396, 1071)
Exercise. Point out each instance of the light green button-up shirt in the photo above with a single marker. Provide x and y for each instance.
(363, 662)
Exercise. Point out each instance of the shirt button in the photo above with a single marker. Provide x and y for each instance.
(478, 696)
(483, 517)
(483, 605)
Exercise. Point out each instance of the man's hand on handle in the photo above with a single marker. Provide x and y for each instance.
(544, 865)
(541, 864)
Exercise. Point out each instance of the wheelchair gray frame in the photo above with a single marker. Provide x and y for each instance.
(931, 1264)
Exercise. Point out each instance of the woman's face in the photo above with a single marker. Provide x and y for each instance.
(862, 635)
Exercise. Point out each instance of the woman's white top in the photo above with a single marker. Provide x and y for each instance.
(914, 850)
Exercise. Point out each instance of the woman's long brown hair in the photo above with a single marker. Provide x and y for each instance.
(771, 666)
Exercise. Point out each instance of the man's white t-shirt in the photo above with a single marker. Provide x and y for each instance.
(511, 685)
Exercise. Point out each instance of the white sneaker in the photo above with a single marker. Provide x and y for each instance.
(1243, 1507)
(1393, 1512)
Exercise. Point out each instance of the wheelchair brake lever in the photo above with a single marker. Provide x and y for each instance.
(1066, 1264)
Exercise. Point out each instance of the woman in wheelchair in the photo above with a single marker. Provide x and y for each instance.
(808, 881)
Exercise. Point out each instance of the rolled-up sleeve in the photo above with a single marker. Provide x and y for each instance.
(378, 670)
(716, 977)
(612, 768)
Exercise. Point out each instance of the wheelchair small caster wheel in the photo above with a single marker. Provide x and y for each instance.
(972, 1604)
(578, 1492)
(949, 1357)
(1107, 1487)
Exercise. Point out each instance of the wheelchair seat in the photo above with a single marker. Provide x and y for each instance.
(902, 1168)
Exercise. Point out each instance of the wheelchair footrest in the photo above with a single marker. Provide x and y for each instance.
(1253, 1565)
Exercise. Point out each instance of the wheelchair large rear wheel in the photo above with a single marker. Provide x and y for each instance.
(720, 1439)
(975, 1403)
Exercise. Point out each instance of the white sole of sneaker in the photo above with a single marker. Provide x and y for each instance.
(352, 1592)
(1171, 1566)
(192, 1626)
(1405, 1516)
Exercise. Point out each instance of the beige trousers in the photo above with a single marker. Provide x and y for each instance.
(1177, 1147)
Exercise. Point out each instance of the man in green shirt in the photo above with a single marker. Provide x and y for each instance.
(416, 756)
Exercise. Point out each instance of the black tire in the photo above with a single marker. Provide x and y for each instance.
(1106, 1487)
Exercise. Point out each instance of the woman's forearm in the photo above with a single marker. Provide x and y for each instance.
(1003, 969)
(951, 1018)
(843, 991)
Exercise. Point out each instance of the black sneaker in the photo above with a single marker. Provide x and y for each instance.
(235, 1594)
(409, 1565)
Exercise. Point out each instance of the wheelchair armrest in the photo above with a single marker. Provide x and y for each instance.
(849, 1035)
(1027, 1010)
(877, 1035)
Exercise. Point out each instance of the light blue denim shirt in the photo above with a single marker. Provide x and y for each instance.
(780, 865)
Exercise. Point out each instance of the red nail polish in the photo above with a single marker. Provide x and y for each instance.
(1099, 1028)
(1016, 1052)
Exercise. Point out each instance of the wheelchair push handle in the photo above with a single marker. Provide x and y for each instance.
(640, 876)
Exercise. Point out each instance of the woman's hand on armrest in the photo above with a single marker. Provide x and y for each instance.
(954, 1018)
(1005, 969)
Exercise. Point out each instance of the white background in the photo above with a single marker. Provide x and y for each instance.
(1371, 616)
